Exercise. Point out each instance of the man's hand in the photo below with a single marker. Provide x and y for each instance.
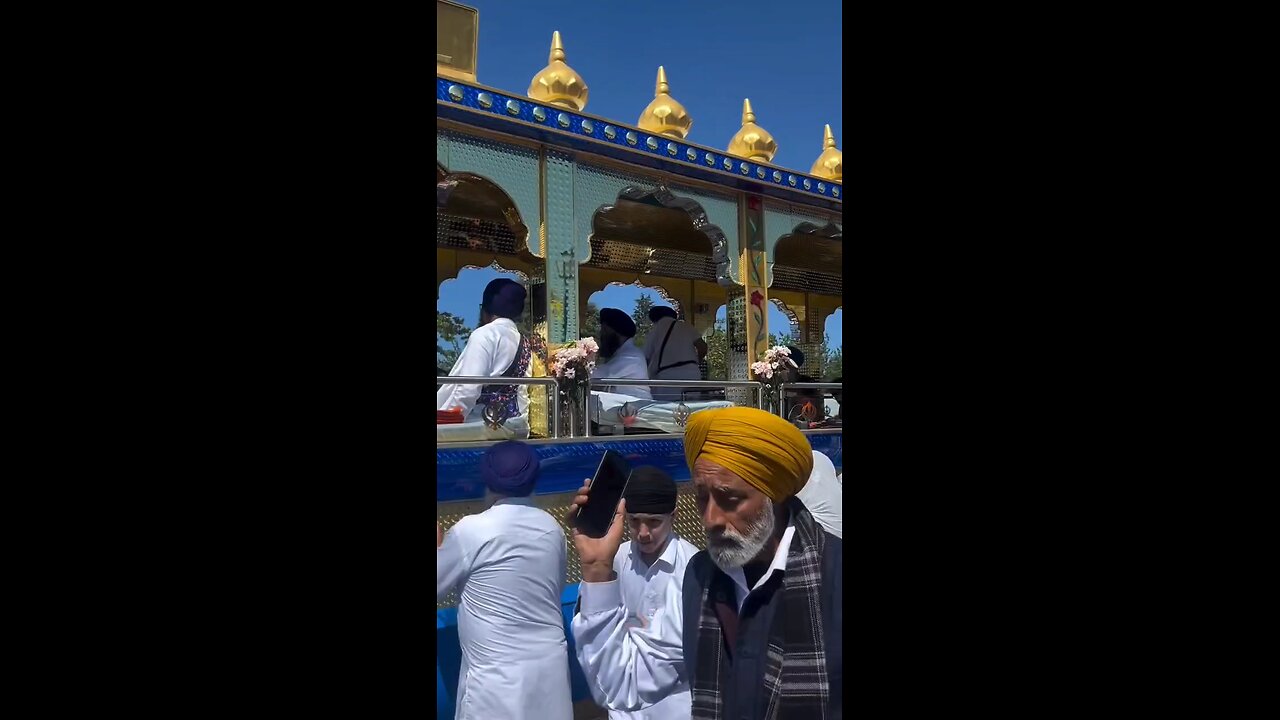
(439, 535)
(596, 554)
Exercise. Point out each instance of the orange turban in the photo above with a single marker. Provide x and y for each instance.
(765, 450)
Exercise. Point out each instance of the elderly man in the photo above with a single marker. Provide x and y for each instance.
(495, 349)
(620, 358)
(509, 562)
(672, 349)
(762, 618)
(628, 627)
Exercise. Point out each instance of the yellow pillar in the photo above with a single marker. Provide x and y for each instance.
(755, 279)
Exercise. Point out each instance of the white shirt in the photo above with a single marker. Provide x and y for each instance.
(629, 634)
(489, 352)
(628, 363)
(823, 495)
(509, 563)
(680, 348)
(779, 564)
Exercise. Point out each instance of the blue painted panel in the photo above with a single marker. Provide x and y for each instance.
(566, 465)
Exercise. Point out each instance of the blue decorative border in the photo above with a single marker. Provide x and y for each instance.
(563, 466)
(567, 122)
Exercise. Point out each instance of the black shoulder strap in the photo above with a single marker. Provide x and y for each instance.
(662, 349)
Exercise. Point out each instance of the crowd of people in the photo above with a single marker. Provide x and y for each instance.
(748, 628)
(672, 351)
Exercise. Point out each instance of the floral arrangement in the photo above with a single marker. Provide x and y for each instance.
(575, 361)
(572, 366)
(769, 370)
(775, 359)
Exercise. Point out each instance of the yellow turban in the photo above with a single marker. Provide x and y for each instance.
(767, 451)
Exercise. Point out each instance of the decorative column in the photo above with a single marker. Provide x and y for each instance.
(736, 329)
(562, 255)
(755, 281)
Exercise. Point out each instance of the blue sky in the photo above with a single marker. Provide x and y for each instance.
(785, 57)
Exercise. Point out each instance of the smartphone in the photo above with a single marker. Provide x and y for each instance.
(607, 486)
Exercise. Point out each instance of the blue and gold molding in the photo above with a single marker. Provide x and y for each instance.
(474, 104)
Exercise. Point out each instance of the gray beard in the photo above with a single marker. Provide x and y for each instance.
(729, 550)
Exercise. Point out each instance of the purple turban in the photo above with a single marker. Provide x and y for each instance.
(510, 468)
(504, 298)
(618, 321)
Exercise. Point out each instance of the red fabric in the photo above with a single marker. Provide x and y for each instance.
(449, 417)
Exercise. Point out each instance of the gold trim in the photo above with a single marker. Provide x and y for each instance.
(542, 202)
(750, 178)
(451, 74)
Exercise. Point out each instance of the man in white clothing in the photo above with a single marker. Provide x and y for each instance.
(495, 349)
(620, 356)
(509, 563)
(628, 626)
(672, 349)
(823, 495)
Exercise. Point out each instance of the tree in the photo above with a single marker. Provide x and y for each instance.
(718, 352)
(834, 365)
(591, 322)
(451, 330)
(641, 317)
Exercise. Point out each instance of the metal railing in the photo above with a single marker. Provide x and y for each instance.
(552, 399)
(714, 384)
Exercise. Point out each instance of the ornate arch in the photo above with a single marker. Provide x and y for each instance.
(467, 194)
(662, 197)
(495, 265)
(661, 291)
(809, 259)
(785, 310)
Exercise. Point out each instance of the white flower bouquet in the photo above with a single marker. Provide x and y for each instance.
(572, 366)
(771, 369)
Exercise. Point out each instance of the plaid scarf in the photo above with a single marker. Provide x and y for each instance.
(795, 676)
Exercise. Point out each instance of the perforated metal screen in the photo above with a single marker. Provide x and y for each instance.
(463, 233)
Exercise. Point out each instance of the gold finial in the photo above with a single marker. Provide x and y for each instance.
(752, 141)
(830, 164)
(559, 84)
(664, 115)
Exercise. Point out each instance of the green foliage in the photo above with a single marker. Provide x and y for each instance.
(451, 336)
(590, 322)
(641, 317)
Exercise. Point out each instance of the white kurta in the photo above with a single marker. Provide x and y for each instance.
(489, 352)
(629, 634)
(628, 363)
(823, 495)
(509, 563)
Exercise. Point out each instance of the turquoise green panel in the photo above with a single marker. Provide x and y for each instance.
(511, 167)
(563, 256)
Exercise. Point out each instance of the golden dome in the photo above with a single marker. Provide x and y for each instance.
(752, 141)
(830, 164)
(665, 115)
(558, 84)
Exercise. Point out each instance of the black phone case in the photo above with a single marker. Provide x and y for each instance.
(595, 523)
